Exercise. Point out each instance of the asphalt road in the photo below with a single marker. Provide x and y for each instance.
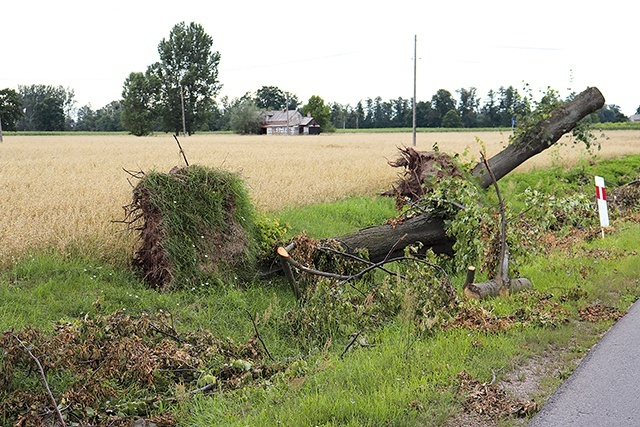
(604, 390)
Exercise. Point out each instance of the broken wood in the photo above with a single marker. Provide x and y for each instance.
(284, 262)
(380, 240)
(493, 289)
(471, 274)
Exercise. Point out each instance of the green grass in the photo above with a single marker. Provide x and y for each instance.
(335, 219)
(404, 376)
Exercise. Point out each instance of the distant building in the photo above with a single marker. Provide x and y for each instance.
(288, 123)
(635, 118)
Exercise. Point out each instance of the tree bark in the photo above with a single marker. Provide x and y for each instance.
(493, 288)
(388, 240)
(542, 136)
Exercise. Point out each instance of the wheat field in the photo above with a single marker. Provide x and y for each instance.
(64, 192)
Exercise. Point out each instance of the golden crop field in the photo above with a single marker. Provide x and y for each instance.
(64, 192)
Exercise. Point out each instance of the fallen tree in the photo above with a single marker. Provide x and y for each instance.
(391, 239)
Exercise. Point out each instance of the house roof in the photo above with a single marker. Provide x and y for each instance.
(281, 118)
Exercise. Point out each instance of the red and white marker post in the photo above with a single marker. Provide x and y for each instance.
(601, 195)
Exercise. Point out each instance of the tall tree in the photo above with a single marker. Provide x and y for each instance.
(442, 102)
(86, 119)
(273, 98)
(188, 70)
(468, 107)
(139, 99)
(48, 115)
(319, 111)
(510, 105)
(10, 109)
(489, 111)
(108, 117)
(30, 96)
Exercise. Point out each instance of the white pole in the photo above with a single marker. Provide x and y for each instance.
(601, 196)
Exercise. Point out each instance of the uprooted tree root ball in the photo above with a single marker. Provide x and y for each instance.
(422, 169)
(195, 223)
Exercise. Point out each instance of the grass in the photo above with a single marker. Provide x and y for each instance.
(325, 220)
(403, 376)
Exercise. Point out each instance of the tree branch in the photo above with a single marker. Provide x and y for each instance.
(44, 379)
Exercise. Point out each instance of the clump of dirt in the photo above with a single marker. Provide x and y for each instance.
(194, 223)
(422, 170)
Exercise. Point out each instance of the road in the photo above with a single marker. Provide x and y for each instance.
(604, 390)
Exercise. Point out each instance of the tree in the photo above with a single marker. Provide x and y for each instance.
(61, 99)
(188, 70)
(273, 98)
(319, 111)
(86, 119)
(339, 115)
(451, 119)
(510, 105)
(468, 107)
(10, 109)
(139, 99)
(611, 113)
(489, 111)
(108, 117)
(48, 115)
(245, 117)
(402, 113)
(442, 102)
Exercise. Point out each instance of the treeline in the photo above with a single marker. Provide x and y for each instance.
(500, 108)
(178, 94)
(52, 108)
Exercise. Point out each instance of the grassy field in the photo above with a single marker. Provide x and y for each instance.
(64, 191)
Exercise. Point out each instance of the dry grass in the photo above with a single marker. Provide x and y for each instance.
(63, 191)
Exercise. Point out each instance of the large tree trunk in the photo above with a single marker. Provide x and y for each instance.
(385, 240)
(542, 136)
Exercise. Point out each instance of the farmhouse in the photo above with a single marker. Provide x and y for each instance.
(288, 123)
(635, 118)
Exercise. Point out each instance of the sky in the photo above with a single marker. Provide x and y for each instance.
(341, 50)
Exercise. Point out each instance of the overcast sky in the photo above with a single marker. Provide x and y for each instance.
(342, 50)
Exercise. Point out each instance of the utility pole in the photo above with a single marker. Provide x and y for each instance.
(0, 129)
(184, 124)
(415, 60)
(287, 107)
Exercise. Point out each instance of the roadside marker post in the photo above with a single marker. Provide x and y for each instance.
(601, 196)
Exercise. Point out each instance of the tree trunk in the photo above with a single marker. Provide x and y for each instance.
(542, 136)
(387, 240)
(493, 288)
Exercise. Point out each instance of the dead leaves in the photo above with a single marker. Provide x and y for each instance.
(98, 364)
(596, 312)
(490, 400)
